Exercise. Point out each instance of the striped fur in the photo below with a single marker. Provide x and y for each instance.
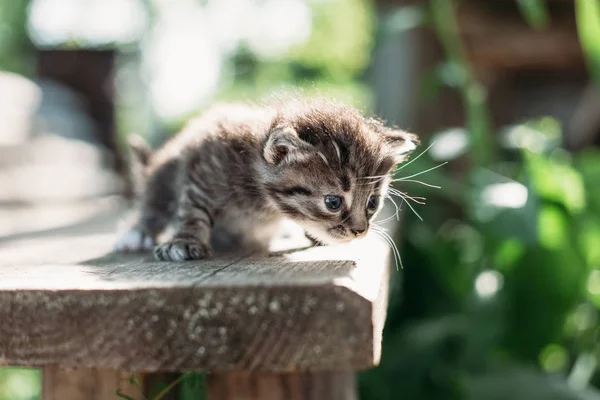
(234, 173)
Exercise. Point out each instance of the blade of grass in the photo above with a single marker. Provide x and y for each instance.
(473, 94)
(535, 13)
(171, 385)
(123, 396)
(587, 13)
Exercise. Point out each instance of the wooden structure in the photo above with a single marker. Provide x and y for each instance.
(292, 324)
(527, 72)
(90, 74)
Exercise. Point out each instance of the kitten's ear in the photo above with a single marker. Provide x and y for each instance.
(284, 145)
(401, 142)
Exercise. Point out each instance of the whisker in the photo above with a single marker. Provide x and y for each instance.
(417, 157)
(387, 238)
(422, 183)
(416, 199)
(397, 209)
(345, 219)
(411, 207)
(373, 176)
(395, 215)
(420, 173)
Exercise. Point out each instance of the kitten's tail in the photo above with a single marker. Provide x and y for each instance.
(139, 158)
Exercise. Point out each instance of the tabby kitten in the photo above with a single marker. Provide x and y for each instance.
(232, 175)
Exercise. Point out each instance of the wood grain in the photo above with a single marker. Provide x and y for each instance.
(87, 384)
(306, 386)
(65, 300)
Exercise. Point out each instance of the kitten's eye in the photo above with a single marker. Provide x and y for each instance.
(333, 203)
(373, 203)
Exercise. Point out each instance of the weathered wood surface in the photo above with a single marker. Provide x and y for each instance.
(65, 301)
(305, 386)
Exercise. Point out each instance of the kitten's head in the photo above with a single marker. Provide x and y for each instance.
(328, 168)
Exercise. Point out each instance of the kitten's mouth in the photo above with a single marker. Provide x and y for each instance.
(338, 232)
(327, 236)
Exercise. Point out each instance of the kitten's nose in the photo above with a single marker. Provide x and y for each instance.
(358, 231)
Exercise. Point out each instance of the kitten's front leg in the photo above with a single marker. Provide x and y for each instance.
(192, 239)
(314, 242)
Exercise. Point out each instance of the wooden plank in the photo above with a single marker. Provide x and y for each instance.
(59, 384)
(306, 386)
(501, 40)
(64, 301)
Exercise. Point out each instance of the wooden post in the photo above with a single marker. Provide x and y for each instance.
(292, 325)
(290, 386)
(91, 384)
(89, 73)
(95, 384)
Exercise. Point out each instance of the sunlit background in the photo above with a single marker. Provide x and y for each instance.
(499, 297)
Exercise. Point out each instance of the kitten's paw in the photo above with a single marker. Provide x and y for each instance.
(313, 242)
(182, 250)
(134, 240)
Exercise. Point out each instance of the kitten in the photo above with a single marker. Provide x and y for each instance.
(231, 176)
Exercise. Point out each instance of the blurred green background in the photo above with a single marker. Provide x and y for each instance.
(499, 296)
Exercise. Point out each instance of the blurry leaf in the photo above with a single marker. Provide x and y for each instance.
(420, 362)
(450, 273)
(124, 396)
(535, 13)
(340, 42)
(508, 254)
(20, 383)
(556, 182)
(505, 208)
(474, 95)
(193, 387)
(488, 283)
(430, 84)
(583, 371)
(554, 358)
(590, 239)
(593, 287)
(157, 390)
(401, 20)
(453, 74)
(552, 227)
(583, 318)
(588, 25)
(487, 323)
(135, 380)
(458, 249)
(588, 163)
(519, 383)
(541, 290)
(536, 136)
(449, 144)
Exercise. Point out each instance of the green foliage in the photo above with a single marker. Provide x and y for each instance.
(535, 13)
(20, 383)
(339, 46)
(588, 25)
(474, 95)
(189, 385)
(15, 47)
(501, 284)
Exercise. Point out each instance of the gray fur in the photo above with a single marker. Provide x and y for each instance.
(235, 172)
